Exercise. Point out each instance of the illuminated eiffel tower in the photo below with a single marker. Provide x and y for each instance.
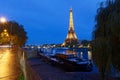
(71, 39)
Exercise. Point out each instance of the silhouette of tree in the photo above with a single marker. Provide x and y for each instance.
(17, 34)
(85, 42)
(106, 37)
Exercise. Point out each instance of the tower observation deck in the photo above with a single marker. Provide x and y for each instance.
(71, 39)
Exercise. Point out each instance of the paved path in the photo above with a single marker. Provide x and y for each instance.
(9, 65)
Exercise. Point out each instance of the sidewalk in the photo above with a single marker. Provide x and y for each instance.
(9, 65)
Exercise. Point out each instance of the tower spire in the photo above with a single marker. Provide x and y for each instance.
(71, 25)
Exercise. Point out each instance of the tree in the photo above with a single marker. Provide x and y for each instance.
(17, 34)
(4, 37)
(106, 37)
(85, 42)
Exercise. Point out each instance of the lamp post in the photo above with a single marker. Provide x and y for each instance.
(10, 33)
(3, 20)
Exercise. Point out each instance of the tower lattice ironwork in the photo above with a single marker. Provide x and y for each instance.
(71, 38)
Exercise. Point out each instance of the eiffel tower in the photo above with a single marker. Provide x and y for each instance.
(71, 39)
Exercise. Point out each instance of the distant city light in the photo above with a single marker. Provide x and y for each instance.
(32, 47)
(89, 55)
(38, 47)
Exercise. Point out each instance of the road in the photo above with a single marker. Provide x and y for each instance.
(9, 65)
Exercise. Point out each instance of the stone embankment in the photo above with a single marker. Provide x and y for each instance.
(29, 73)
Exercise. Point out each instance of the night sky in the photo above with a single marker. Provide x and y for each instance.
(47, 21)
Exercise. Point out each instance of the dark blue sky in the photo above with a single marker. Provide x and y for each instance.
(47, 21)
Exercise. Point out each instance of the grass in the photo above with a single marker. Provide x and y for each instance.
(22, 77)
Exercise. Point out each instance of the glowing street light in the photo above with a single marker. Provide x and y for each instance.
(4, 33)
(3, 20)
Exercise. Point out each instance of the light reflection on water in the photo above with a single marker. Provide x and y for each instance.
(89, 55)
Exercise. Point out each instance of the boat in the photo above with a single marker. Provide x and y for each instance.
(73, 63)
(67, 62)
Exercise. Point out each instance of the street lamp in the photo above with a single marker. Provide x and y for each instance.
(3, 20)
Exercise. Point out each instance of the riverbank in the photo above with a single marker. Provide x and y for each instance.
(48, 72)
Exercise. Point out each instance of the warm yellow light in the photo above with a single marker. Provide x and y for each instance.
(3, 20)
(89, 55)
(5, 30)
(23, 56)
